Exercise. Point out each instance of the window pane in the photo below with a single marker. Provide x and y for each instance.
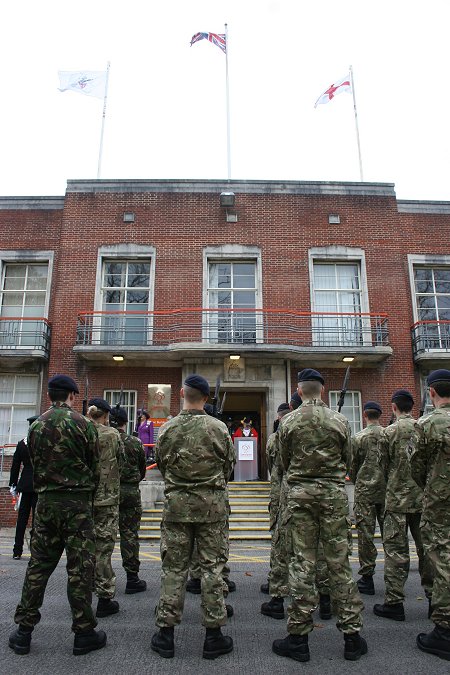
(324, 276)
(240, 281)
(139, 268)
(114, 297)
(13, 299)
(138, 281)
(423, 273)
(137, 297)
(6, 388)
(326, 302)
(114, 268)
(114, 281)
(424, 286)
(243, 299)
(347, 276)
(224, 299)
(16, 271)
(426, 301)
(14, 283)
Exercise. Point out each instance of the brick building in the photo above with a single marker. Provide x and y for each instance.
(139, 283)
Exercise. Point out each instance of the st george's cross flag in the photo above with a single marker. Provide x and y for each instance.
(218, 39)
(334, 89)
(87, 82)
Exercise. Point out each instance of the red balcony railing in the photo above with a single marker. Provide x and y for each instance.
(428, 336)
(232, 326)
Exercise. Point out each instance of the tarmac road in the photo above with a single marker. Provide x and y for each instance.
(392, 647)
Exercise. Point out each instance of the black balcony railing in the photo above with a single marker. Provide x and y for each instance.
(24, 334)
(430, 336)
(232, 326)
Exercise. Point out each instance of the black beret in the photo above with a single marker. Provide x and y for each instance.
(121, 415)
(100, 403)
(296, 400)
(63, 382)
(283, 406)
(32, 419)
(197, 382)
(209, 410)
(441, 375)
(309, 374)
(373, 405)
(402, 393)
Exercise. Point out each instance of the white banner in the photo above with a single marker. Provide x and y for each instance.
(245, 450)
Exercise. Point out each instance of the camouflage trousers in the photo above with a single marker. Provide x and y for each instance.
(62, 522)
(366, 517)
(106, 522)
(396, 554)
(436, 542)
(196, 573)
(130, 512)
(280, 554)
(177, 545)
(316, 513)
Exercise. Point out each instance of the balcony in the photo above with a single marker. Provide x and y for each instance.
(431, 343)
(24, 339)
(192, 332)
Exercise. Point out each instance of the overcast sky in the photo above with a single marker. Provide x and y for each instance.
(166, 105)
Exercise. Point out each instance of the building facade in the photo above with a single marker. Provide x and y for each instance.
(125, 285)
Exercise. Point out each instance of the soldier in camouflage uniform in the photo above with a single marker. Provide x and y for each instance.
(431, 468)
(106, 506)
(130, 506)
(315, 451)
(403, 508)
(64, 450)
(370, 491)
(195, 455)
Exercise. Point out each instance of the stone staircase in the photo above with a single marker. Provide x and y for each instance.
(249, 519)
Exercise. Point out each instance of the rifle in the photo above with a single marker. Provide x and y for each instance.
(423, 404)
(344, 389)
(216, 396)
(86, 396)
(222, 404)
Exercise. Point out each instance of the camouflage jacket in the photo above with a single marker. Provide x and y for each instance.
(399, 441)
(64, 451)
(133, 467)
(430, 463)
(195, 455)
(314, 444)
(111, 461)
(271, 450)
(366, 469)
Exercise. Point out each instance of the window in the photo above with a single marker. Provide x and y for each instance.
(125, 293)
(23, 298)
(351, 408)
(337, 293)
(128, 402)
(432, 304)
(231, 287)
(18, 401)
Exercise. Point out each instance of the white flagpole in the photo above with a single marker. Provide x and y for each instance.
(100, 152)
(228, 105)
(361, 175)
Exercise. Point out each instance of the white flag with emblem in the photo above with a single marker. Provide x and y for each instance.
(88, 82)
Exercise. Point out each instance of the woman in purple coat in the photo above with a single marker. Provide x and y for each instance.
(145, 432)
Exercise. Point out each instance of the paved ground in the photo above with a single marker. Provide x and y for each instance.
(392, 646)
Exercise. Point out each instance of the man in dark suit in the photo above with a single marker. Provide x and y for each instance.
(24, 486)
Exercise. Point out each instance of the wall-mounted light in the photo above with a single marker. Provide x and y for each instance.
(234, 357)
(348, 359)
(117, 357)
(228, 201)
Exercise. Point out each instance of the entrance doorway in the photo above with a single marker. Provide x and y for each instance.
(240, 404)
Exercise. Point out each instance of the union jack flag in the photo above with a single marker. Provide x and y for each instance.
(217, 39)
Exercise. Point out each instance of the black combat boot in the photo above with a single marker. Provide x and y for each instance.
(355, 646)
(273, 608)
(395, 612)
(264, 588)
(162, 642)
(325, 607)
(216, 644)
(231, 585)
(194, 586)
(437, 642)
(230, 611)
(88, 641)
(365, 585)
(106, 606)
(293, 646)
(20, 640)
(134, 584)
